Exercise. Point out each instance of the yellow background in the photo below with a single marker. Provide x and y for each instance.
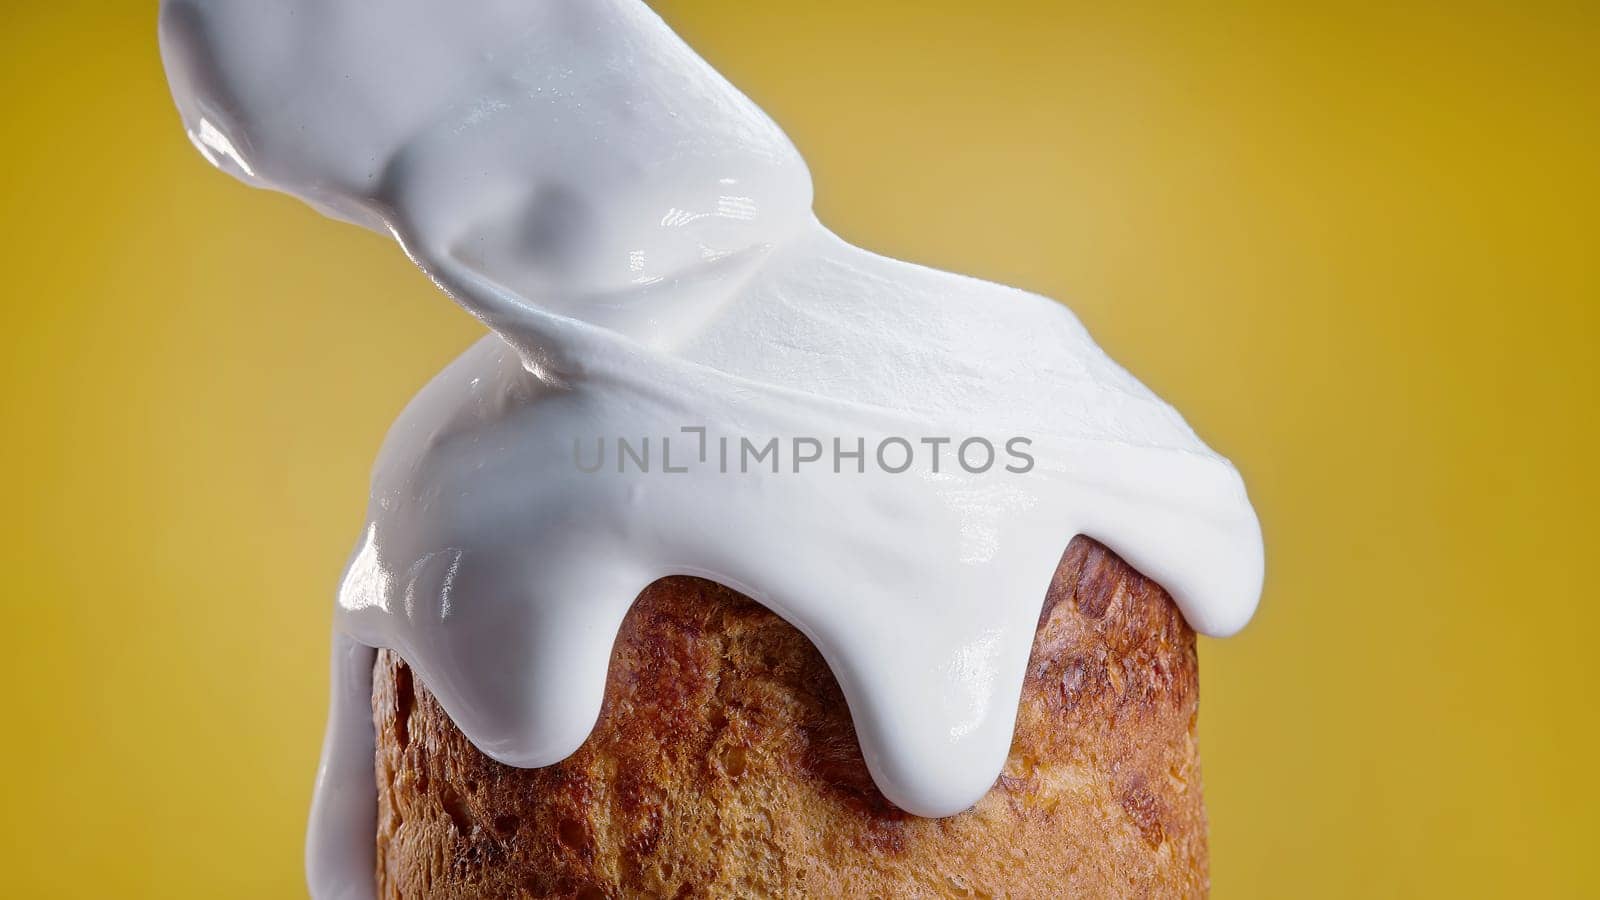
(1354, 243)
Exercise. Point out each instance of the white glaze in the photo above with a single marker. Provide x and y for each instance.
(638, 235)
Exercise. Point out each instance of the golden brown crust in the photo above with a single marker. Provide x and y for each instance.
(725, 764)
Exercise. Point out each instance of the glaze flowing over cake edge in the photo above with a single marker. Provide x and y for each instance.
(725, 764)
(639, 237)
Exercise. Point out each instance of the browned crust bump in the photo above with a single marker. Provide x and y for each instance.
(724, 764)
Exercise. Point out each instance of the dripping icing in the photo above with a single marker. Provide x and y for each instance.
(638, 237)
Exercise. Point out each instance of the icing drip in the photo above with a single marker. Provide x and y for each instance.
(638, 237)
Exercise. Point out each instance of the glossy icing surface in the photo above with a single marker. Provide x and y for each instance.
(663, 304)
